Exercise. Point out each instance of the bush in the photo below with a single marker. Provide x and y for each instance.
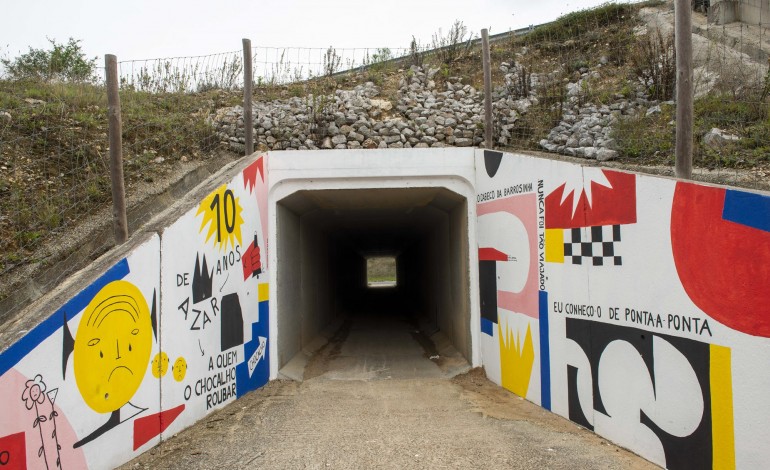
(654, 63)
(454, 45)
(331, 62)
(63, 62)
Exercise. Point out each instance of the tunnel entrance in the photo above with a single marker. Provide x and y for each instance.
(326, 240)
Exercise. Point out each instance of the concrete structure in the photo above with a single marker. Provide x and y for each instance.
(751, 12)
(635, 306)
(330, 213)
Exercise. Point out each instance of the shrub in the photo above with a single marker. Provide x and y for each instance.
(416, 56)
(653, 60)
(63, 62)
(331, 62)
(454, 45)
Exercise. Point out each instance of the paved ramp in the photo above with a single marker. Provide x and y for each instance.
(384, 394)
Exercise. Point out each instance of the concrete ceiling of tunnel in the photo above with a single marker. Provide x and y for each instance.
(374, 221)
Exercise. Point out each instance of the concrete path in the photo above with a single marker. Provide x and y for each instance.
(373, 398)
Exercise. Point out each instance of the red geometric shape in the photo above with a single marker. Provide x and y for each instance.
(724, 267)
(13, 452)
(250, 173)
(608, 206)
(148, 427)
(492, 254)
(251, 260)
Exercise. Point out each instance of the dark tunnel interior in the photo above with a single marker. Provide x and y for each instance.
(324, 238)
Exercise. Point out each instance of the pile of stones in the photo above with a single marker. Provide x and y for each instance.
(421, 115)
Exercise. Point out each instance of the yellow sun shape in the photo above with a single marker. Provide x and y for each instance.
(222, 214)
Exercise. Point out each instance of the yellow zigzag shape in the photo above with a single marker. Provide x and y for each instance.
(515, 360)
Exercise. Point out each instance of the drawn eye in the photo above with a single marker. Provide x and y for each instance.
(135, 331)
(129, 347)
(93, 342)
(101, 354)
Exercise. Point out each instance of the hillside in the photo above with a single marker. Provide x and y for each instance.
(594, 85)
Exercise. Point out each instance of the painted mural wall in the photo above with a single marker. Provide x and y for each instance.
(635, 306)
(173, 331)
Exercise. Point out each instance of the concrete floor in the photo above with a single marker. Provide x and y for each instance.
(372, 397)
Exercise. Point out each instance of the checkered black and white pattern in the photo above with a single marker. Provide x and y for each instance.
(600, 249)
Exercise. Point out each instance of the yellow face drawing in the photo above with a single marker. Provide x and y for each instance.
(160, 365)
(112, 346)
(180, 369)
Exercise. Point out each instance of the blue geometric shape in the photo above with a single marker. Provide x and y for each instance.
(11, 356)
(545, 353)
(487, 327)
(748, 209)
(244, 382)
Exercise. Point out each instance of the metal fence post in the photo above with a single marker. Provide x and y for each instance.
(248, 83)
(120, 220)
(487, 88)
(684, 89)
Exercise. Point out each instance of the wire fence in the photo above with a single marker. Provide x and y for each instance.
(270, 65)
(597, 85)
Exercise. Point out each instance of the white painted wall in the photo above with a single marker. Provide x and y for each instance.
(625, 357)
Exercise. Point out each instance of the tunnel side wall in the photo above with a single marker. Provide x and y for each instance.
(290, 322)
(148, 340)
(317, 291)
(635, 306)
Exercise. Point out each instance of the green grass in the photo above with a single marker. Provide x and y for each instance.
(55, 153)
(573, 25)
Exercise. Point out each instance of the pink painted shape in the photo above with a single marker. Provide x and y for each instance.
(255, 180)
(15, 418)
(511, 301)
(524, 207)
(261, 188)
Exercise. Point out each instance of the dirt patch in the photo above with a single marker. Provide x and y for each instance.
(496, 402)
(319, 363)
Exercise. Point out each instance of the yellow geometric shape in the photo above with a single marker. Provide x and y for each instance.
(222, 213)
(160, 365)
(180, 369)
(112, 346)
(722, 425)
(263, 292)
(516, 360)
(554, 245)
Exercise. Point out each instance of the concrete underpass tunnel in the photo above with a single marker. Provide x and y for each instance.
(323, 241)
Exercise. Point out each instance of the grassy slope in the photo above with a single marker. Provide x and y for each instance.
(53, 155)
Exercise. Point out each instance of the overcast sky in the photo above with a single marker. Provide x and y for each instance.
(143, 29)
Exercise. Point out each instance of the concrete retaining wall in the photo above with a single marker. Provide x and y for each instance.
(633, 305)
(751, 12)
(155, 336)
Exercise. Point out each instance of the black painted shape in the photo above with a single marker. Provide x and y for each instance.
(575, 410)
(593, 338)
(488, 289)
(68, 345)
(492, 162)
(111, 423)
(257, 271)
(232, 322)
(695, 450)
(202, 281)
(154, 316)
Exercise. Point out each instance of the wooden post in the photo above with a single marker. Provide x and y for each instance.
(248, 83)
(120, 220)
(684, 89)
(487, 89)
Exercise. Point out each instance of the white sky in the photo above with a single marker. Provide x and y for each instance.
(144, 29)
